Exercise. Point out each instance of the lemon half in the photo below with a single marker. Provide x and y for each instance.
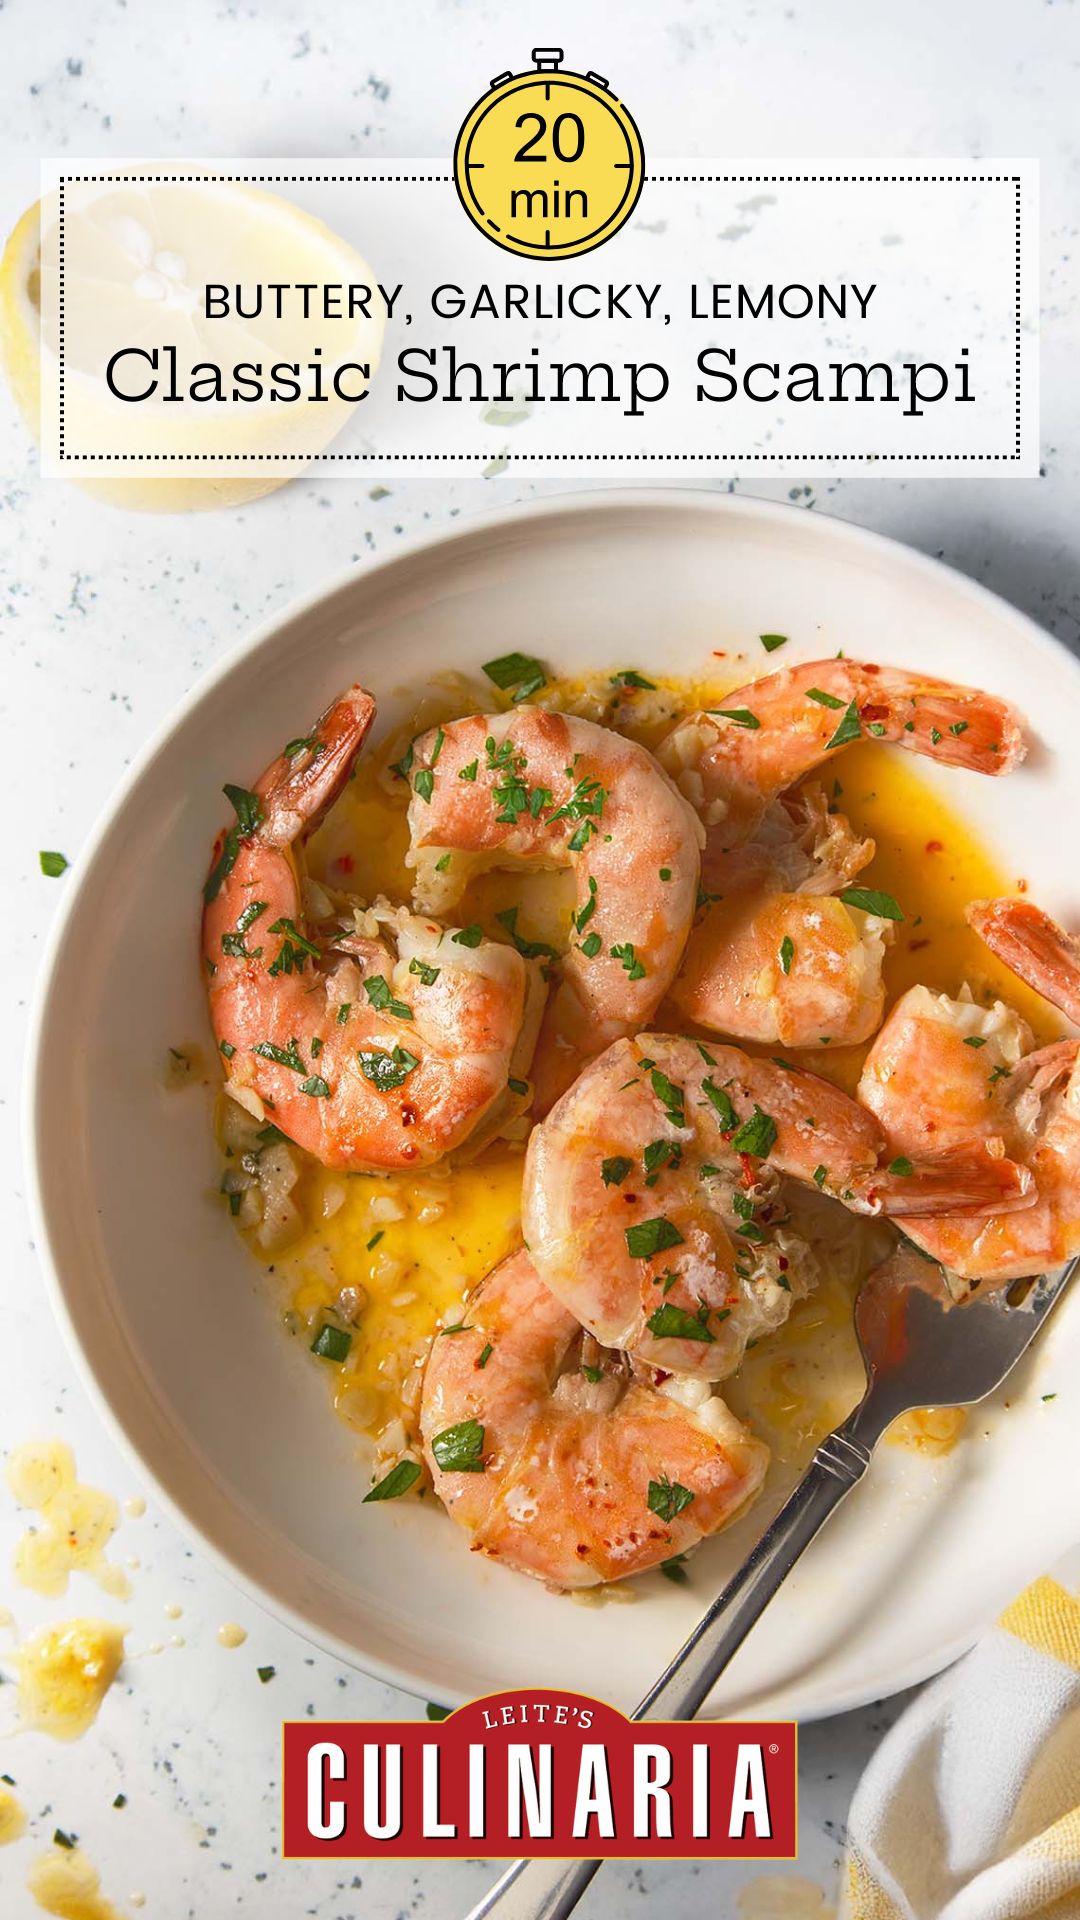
(137, 258)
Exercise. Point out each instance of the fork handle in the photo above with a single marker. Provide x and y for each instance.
(543, 1889)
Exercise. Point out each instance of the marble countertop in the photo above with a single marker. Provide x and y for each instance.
(106, 621)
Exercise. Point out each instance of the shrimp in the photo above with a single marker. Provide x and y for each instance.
(795, 969)
(733, 760)
(537, 789)
(776, 960)
(652, 1200)
(377, 1046)
(558, 1460)
(949, 1072)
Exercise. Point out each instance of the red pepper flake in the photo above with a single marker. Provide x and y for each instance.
(783, 1262)
(408, 1151)
(873, 711)
(749, 1166)
(1021, 886)
(869, 667)
(408, 1116)
(344, 863)
(935, 846)
(913, 946)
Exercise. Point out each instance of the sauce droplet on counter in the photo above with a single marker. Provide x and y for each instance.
(12, 1818)
(64, 1674)
(135, 1506)
(76, 1522)
(784, 1896)
(66, 1883)
(232, 1635)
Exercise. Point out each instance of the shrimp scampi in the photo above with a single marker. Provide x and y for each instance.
(653, 1201)
(558, 1459)
(546, 790)
(375, 1040)
(949, 1071)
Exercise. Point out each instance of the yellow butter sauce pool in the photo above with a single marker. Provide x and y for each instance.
(411, 1246)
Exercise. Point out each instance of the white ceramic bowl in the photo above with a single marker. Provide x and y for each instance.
(162, 1302)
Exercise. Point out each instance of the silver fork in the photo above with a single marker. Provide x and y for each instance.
(920, 1349)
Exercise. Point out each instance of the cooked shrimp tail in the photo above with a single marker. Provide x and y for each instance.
(1033, 947)
(976, 1178)
(732, 760)
(560, 1461)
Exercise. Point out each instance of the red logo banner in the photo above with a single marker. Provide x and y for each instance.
(540, 1773)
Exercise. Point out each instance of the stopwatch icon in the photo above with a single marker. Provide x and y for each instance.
(549, 163)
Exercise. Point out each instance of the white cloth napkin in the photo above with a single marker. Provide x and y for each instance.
(970, 1808)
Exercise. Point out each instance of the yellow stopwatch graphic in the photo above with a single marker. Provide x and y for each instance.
(549, 163)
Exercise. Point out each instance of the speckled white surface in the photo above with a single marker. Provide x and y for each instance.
(106, 620)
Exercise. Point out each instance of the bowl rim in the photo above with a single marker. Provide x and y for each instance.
(844, 534)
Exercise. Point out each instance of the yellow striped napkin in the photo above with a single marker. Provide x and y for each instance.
(970, 1808)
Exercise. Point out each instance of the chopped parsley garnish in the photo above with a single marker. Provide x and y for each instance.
(872, 900)
(722, 1103)
(439, 743)
(590, 946)
(850, 728)
(282, 1056)
(652, 1236)
(631, 964)
(469, 772)
(787, 953)
(382, 999)
(824, 699)
(227, 1048)
(331, 1343)
(974, 1040)
(266, 1673)
(485, 1355)
(757, 1135)
(771, 641)
(667, 1498)
(517, 674)
(395, 1483)
(375, 1238)
(459, 1449)
(674, 1323)
(310, 744)
(529, 949)
(386, 1070)
(629, 677)
(585, 913)
(343, 1012)
(665, 873)
(592, 1374)
(742, 716)
(670, 1096)
(586, 804)
(249, 813)
(54, 864)
(675, 1569)
(62, 1839)
(424, 783)
(935, 736)
(999, 1073)
(403, 767)
(821, 1174)
(294, 949)
(958, 727)
(614, 1171)
(442, 863)
(233, 943)
(316, 1086)
(427, 974)
(658, 1155)
(901, 1165)
(470, 936)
